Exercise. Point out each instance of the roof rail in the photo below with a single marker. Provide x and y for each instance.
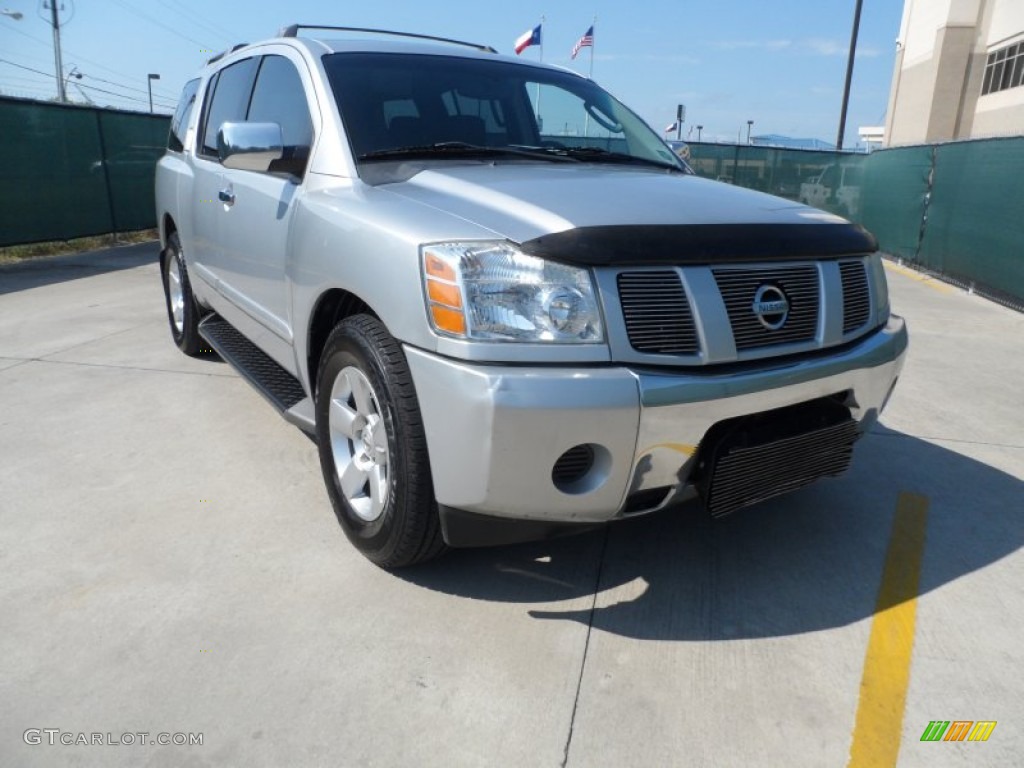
(222, 54)
(293, 31)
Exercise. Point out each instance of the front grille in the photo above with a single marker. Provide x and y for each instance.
(856, 297)
(749, 474)
(800, 285)
(657, 314)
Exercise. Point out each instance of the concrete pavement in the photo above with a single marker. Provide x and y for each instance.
(171, 564)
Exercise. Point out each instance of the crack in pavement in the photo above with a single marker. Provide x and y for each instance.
(586, 647)
(229, 375)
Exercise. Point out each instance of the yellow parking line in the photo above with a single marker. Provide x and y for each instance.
(883, 686)
(920, 277)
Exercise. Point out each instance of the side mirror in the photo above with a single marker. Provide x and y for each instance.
(249, 146)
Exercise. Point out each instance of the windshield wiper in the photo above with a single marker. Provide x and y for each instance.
(597, 154)
(463, 149)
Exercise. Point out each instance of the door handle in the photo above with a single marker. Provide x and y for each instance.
(226, 196)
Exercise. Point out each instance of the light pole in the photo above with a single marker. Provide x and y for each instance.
(73, 73)
(699, 129)
(750, 124)
(16, 15)
(849, 75)
(149, 81)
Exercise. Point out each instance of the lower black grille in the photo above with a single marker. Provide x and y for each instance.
(770, 454)
(856, 297)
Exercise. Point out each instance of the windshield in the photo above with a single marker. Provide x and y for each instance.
(393, 103)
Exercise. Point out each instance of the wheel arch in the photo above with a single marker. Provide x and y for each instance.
(168, 227)
(331, 308)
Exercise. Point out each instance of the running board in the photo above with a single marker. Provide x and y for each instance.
(280, 388)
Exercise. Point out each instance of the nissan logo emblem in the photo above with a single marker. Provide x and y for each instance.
(771, 306)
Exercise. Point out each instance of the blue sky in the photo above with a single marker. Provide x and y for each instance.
(780, 64)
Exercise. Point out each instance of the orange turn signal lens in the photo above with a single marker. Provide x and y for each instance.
(438, 267)
(450, 320)
(444, 293)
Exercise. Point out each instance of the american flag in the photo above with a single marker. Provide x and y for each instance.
(584, 42)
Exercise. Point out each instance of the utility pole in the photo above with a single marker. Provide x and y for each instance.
(57, 58)
(849, 75)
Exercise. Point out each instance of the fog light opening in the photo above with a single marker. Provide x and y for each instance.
(581, 469)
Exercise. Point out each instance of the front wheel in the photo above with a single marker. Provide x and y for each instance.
(372, 446)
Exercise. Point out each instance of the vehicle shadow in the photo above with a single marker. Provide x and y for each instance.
(808, 561)
(34, 273)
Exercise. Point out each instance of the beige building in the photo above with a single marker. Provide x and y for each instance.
(959, 71)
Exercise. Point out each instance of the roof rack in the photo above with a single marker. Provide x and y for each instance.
(293, 31)
(222, 54)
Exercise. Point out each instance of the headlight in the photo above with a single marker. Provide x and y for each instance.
(881, 287)
(491, 291)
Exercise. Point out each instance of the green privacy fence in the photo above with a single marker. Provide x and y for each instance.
(829, 180)
(975, 217)
(953, 209)
(72, 171)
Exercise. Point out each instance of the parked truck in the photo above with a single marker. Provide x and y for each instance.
(494, 333)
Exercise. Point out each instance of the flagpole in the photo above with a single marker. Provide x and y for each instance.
(542, 19)
(586, 118)
(540, 120)
(593, 38)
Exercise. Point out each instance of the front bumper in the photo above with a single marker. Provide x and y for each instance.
(494, 432)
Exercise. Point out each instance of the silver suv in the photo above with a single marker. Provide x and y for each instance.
(499, 300)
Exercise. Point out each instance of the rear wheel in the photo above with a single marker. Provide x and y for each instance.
(182, 310)
(372, 446)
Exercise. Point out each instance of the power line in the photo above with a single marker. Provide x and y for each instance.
(119, 95)
(194, 18)
(157, 22)
(92, 87)
(71, 54)
(29, 69)
(126, 87)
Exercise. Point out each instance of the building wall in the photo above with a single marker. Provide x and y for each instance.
(940, 64)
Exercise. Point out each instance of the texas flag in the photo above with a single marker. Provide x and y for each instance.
(525, 40)
(673, 127)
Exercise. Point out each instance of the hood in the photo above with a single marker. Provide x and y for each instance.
(597, 214)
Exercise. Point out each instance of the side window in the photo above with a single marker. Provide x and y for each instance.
(230, 98)
(179, 123)
(280, 98)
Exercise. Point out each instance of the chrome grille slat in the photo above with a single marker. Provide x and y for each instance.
(657, 313)
(800, 284)
(660, 321)
(856, 296)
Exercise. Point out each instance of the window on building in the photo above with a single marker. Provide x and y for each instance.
(1004, 69)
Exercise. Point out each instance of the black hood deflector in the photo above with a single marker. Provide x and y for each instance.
(643, 244)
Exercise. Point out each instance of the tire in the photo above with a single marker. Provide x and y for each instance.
(373, 449)
(182, 310)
